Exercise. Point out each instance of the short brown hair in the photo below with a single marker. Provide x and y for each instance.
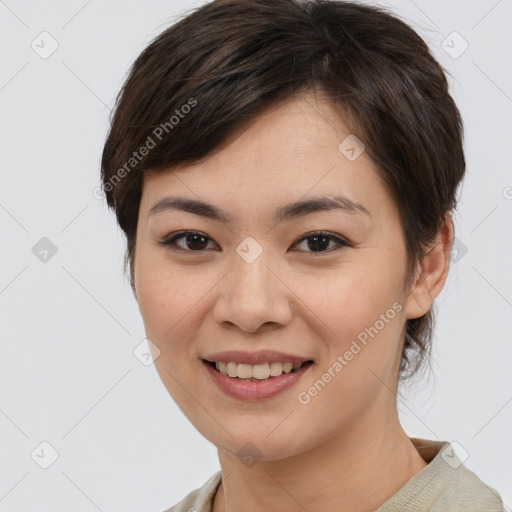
(225, 61)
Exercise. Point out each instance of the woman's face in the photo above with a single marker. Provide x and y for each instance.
(253, 283)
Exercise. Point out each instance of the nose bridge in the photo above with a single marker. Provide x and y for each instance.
(253, 295)
(252, 277)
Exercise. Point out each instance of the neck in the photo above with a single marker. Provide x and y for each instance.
(357, 469)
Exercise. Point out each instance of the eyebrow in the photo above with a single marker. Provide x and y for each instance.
(287, 212)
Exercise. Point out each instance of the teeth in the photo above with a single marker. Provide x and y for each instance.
(258, 371)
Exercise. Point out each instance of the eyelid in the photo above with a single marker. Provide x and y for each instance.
(341, 241)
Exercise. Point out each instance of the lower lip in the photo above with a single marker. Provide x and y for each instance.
(254, 391)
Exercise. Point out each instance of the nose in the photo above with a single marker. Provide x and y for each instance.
(253, 296)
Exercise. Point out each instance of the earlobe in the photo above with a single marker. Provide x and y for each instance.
(431, 273)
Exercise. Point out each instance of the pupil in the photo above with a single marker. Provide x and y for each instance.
(316, 242)
(196, 243)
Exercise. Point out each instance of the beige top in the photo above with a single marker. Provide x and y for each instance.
(444, 485)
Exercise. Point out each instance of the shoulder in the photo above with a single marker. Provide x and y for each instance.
(462, 489)
(444, 485)
(200, 499)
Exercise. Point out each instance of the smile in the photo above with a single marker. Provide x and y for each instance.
(255, 382)
(261, 371)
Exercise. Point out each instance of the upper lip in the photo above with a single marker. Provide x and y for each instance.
(262, 356)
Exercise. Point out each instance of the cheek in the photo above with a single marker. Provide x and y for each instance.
(362, 321)
(360, 312)
(352, 297)
(169, 297)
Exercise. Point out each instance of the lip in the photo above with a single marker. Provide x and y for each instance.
(263, 356)
(255, 391)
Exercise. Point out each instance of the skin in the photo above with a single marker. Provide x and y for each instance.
(347, 441)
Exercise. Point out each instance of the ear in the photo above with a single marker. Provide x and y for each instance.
(431, 273)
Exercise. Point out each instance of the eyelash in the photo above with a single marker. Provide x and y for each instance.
(170, 243)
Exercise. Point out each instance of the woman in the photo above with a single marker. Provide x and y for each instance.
(285, 174)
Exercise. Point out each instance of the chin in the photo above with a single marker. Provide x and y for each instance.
(259, 446)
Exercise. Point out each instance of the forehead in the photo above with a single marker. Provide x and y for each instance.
(289, 151)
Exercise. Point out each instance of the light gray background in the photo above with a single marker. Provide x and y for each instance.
(69, 326)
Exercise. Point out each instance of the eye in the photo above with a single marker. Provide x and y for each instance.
(321, 239)
(195, 241)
